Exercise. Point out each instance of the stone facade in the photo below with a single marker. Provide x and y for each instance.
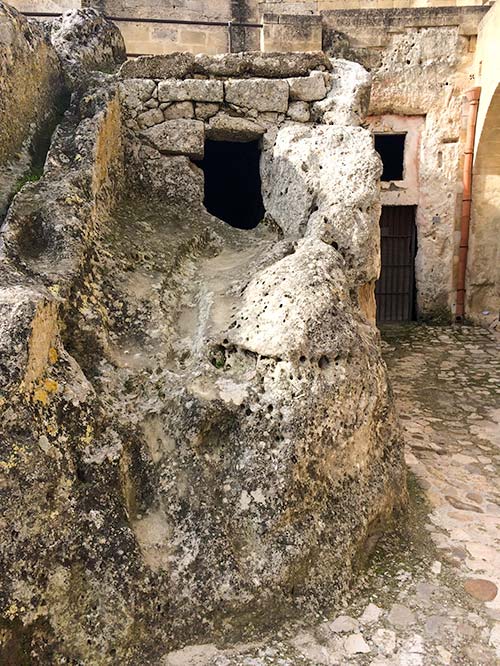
(420, 62)
(483, 280)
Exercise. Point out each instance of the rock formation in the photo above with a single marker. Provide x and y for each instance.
(197, 433)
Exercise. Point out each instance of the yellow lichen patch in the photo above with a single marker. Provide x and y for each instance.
(50, 385)
(55, 289)
(2, 401)
(53, 356)
(12, 611)
(40, 395)
(5, 465)
(87, 438)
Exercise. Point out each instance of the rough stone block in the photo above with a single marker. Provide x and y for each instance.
(308, 88)
(170, 65)
(260, 94)
(178, 137)
(179, 110)
(223, 127)
(299, 111)
(196, 90)
(135, 92)
(265, 65)
(150, 118)
(204, 110)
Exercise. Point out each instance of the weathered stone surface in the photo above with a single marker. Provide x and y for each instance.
(224, 127)
(174, 90)
(385, 640)
(343, 624)
(299, 111)
(308, 88)
(259, 94)
(265, 65)
(349, 95)
(370, 614)
(150, 118)
(202, 414)
(356, 644)
(168, 66)
(178, 137)
(135, 93)
(205, 111)
(481, 589)
(321, 181)
(401, 616)
(179, 110)
(86, 41)
(30, 82)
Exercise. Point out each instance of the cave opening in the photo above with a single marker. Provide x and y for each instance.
(391, 148)
(232, 182)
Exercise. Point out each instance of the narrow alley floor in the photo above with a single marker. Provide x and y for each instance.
(429, 595)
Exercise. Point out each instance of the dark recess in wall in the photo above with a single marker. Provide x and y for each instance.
(232, 182)
(391, 148)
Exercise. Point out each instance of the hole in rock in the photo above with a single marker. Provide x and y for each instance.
(232, 182)
(391, 148)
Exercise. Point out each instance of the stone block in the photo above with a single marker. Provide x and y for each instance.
(178, 137)
(150, 118)
(175, 65)
(299, 112)
(308, 88)
(196, 90)
(179, 110)
(260, 94)
(204, 110)
(292, 33)
(224, 127)
(135, 92)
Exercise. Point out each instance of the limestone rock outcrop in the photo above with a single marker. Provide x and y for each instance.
(197, 435)
(31, 96)
(86, 41)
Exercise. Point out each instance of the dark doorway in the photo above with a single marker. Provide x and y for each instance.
(395, 290)
(391, 148)
(232, 182)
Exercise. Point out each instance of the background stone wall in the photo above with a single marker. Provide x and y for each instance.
(421, 62)
(483, 279)
(288, 25)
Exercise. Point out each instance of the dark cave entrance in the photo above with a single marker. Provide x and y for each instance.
(232, 182)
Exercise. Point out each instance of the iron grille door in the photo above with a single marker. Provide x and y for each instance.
(395, 290)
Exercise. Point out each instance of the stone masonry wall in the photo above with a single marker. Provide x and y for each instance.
(420, 62)
(168, 114)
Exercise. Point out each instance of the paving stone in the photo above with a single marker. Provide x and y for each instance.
(344, 623)
(356, 644)
(481, 589)
(385, 640)
(371, 614)
(401, 616)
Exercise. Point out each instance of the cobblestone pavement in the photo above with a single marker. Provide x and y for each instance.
(429, 595)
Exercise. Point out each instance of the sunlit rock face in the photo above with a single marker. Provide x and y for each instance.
(197, 433)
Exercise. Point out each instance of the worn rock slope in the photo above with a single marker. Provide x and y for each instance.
(197, 433)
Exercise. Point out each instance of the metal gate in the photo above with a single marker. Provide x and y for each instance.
(395, 290)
